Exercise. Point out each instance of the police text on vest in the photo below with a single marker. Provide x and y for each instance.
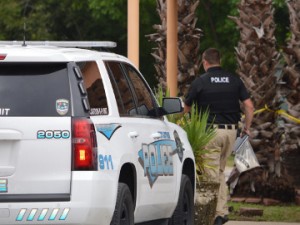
(219, 79)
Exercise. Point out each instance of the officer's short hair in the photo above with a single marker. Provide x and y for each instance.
(212, 56)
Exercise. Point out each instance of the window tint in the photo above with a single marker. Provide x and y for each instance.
(34, 89)
(94, 87)
(145, 102)
(124, 97)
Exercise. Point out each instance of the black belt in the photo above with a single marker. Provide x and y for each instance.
(226, 126)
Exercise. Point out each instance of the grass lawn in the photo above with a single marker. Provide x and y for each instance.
(282, 213)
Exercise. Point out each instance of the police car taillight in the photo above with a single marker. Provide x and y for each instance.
(2, 56)
(84, 144)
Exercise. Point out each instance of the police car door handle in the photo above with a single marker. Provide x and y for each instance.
(156, 135)
(133, 134)
(7, 134)
(7, 171)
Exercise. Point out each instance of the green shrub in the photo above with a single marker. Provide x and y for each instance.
(199, 133)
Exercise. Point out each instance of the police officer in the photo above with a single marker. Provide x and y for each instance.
(221, 93)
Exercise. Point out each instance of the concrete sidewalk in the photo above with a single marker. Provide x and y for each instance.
(258, 223)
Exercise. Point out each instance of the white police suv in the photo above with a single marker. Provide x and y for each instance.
(84, 142)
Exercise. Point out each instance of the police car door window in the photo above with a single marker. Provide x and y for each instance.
(122, 91)
(94, 87)
(145, 101)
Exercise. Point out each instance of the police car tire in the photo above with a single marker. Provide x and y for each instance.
(184, 212)
(124, 210)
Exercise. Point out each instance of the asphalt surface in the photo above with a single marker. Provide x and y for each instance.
(258, 223)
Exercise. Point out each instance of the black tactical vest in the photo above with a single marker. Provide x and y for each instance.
(220, 94)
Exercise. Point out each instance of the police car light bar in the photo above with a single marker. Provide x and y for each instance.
(80, 44)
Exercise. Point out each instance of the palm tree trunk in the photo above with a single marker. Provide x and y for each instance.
(188, 44)
(291, 91)
(257, 60)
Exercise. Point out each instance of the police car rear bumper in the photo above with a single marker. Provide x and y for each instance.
(92, 203)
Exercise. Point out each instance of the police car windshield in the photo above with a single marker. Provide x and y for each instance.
(34, 89)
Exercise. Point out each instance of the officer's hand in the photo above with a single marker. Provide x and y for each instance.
(246, 131)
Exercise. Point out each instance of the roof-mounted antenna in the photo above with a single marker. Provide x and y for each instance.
(24, 34)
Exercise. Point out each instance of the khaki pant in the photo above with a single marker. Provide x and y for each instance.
(220, 149)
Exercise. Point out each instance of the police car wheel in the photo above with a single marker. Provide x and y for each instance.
(184, 212)
(123, 214)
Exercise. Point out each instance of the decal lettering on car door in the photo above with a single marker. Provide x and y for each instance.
(157, 157)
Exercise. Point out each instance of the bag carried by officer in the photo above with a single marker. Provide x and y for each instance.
(245, 158)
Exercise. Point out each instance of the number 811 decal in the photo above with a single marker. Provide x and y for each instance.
(56, 134)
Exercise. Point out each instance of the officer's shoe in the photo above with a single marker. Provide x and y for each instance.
(218, 220)
(221, 220)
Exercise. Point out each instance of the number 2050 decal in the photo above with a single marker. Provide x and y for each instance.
(49, 134)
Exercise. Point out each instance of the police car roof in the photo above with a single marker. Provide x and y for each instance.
(54, 51)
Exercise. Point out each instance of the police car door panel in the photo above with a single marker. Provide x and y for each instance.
(156, 173)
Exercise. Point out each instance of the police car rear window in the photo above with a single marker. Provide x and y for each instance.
(34, 89)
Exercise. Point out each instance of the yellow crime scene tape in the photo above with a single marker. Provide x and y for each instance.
(280, 112)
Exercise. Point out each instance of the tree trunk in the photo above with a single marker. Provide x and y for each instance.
(290, 89)
(257, 65)
(188, 44)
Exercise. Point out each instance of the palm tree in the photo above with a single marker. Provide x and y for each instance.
(188, 44)
(257, 60)
(291, 91)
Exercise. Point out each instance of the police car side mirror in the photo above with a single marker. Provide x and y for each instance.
(171, 106)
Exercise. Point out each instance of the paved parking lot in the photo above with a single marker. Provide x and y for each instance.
(258, 223)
